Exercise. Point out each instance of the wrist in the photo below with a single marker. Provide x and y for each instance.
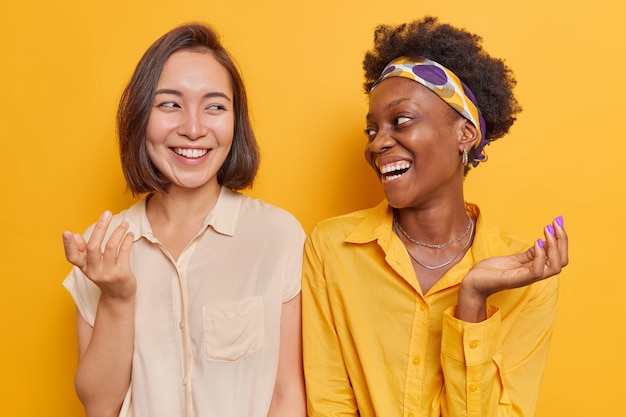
(472, 305)
(116, 302)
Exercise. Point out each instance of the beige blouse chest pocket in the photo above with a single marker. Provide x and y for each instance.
(233, 330)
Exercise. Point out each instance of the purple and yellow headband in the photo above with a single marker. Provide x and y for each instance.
(447, 86)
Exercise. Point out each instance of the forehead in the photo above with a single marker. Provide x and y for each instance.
(395, 91)
(195, 70)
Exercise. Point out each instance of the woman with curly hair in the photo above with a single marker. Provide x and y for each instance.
(417, 307)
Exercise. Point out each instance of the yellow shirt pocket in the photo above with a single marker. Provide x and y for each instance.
(233, 330)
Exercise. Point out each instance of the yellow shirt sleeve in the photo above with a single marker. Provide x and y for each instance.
(329, 392)
(478, 380)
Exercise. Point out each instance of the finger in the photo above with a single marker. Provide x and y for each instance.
(110, 254)
(525, 257)
(532, 270)
(124, 251)
(540, 259)
(553, 260)
(72, 252)
(94, 251)
(80, 242)
(562, 240)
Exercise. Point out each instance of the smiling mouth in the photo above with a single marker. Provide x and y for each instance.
(190, 153)
(394, 170)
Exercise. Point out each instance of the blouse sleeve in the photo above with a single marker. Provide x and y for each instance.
(293, 273)
(85, 293)
(328, 388)
(495, 370)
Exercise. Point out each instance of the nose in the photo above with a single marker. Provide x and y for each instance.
(381, 142)
(193, 125)
(378, 146)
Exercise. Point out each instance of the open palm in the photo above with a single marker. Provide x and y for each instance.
(545, 259)
(108, 268)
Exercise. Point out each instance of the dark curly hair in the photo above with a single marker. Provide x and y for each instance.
(489, 78)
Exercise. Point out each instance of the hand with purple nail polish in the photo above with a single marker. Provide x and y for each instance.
(544, 259)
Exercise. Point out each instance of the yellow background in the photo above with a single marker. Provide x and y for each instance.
(65, 62)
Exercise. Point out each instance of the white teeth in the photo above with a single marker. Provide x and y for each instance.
(395, 166)
(191, 153)
(392, 177)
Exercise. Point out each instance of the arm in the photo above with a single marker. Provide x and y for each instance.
(288, 399)
(105, 351)
(492, 368)
(495, 367)
(328, 388)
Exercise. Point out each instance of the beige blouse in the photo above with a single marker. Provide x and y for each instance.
(207, 326)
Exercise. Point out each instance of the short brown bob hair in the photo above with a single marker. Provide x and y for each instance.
(241, 164)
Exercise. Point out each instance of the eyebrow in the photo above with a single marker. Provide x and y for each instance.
(180, 94)
(390, 105)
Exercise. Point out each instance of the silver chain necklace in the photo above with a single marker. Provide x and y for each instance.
(434, 245)
(433, 267)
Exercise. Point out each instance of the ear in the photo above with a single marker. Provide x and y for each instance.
(468, 135)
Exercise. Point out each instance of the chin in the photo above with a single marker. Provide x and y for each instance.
(395, 201)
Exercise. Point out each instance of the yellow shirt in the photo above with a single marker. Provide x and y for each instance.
(207, 325)
(374, 345)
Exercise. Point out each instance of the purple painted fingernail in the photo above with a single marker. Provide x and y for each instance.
(559, 221)
(551, 229)
(540, 243)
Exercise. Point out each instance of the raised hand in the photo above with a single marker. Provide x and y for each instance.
(109, 269)
(543, 260)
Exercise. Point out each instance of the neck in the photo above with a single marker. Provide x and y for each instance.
(433, 225)
(182, 206)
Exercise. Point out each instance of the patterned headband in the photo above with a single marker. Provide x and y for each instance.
(446, 85)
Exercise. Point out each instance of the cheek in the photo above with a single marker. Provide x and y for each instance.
(157, 129)
(226, 129)
(153, 150)
(153, 146)
(369, 157)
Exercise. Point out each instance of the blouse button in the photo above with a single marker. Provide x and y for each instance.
(416, 361)
(473, 344)
(473, 387)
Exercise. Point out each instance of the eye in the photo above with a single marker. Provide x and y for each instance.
(216, 107)
(168, 105)
(401, 120)
(370, 133)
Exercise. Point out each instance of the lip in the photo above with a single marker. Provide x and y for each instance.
(393, 169)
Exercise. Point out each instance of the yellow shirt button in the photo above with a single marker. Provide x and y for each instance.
(422, 307)
(473, 387)
(473, 344)
(410, 415)
(416, 361)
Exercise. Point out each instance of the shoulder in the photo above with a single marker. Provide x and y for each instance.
(338, 228)
(267, 216)
(494, 241)
(503, 238)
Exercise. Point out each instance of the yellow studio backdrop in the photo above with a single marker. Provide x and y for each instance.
(65, 63)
